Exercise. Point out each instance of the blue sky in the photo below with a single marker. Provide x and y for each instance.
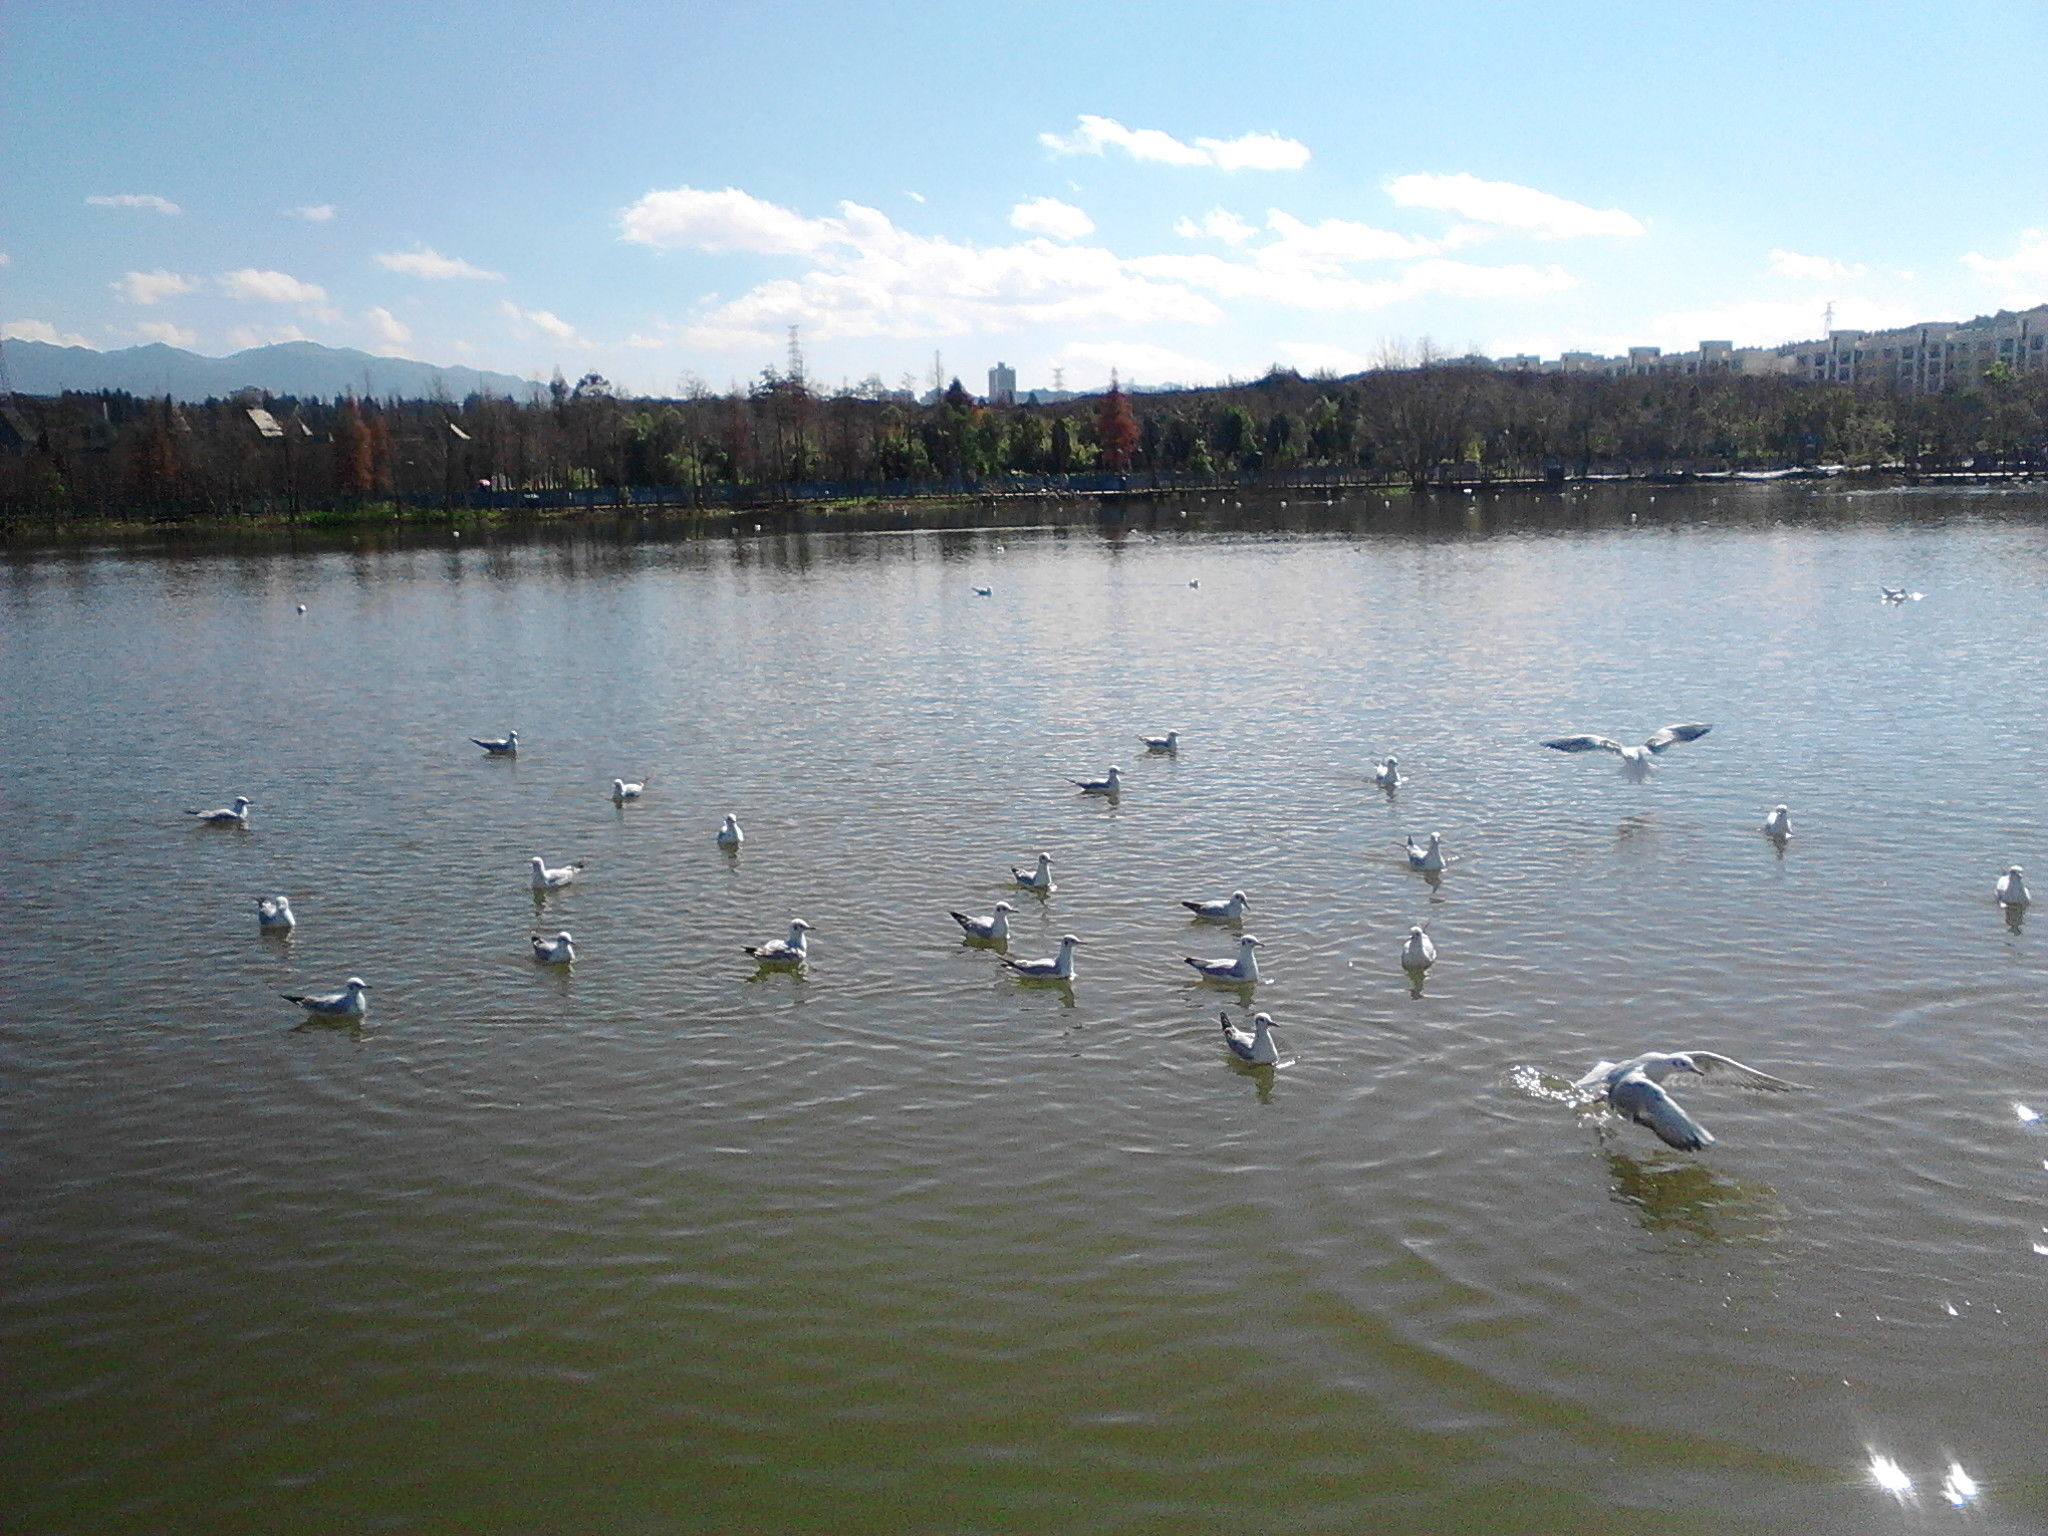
(1187, 191)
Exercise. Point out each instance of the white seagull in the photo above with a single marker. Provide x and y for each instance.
(1059, 968)
(730, 835)
(2012, 888)
(624, 790)
(1778, 825)
(794, 950)
(1228, 911)
(1635, 761)
(1255, 1046)
(993, 929)
(348, 1003)
(545, 879)
(274, 914)
(1040, 879)
(1899, 594)
(1109, 786)
(236, 815)
(1168, 744)
(507, 746)
(560, 950)
(1418, 953)
(1634, 1088)
(1430, 859)
(1387, 775)
(1242, 969)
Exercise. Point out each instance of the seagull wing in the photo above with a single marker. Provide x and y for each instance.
(1671, 735)
(1649, 1105)
(1714, 1064)
(1603, 1073)
(1239, 1042)
(967, 924)
(1584, 744)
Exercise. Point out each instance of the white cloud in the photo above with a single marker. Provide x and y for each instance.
(135, 200)
(1340, 242)
(1818, 269)
(150, 287)
(270, 287)
(526, 321)
(389, 329)
(1248, 152)
(2023, 275)
(170, 335)
(915, 197)
(432, 264)
(1508, 206)
(1050, 216)
(730, 220)
(40, 330)
(1322, 357)
(243, 336)
(1216, 224)
(1767, 322)
(314, 213)
(1135, 362)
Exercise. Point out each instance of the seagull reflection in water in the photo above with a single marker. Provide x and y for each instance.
(1688, 1199)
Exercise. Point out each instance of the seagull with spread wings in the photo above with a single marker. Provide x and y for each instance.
(1635, 761)
(1635, 1088)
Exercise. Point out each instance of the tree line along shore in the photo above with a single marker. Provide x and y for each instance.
(115, 457)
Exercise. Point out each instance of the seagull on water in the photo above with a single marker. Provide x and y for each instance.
(1227, 911)
(236, 815)
(794, 950)
(1109, 786)
(1899, 594)
(1387, 775)
(505, 746)
(1418, 952)
(730, 835)
(2012, 888)
(1242, 969)
(1059, 968)
(993, 929)
(1040, 879)
(984, 591)
(1254, 1045)
(274, 914)
(1778, 825)
(1167, 744)
(560, 950)
(1430, 859)
(1635, 761)
(1635, 1088)
(545, 879)
(624, 790)
(348, 1003)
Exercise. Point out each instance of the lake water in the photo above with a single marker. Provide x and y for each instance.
(902, 1245)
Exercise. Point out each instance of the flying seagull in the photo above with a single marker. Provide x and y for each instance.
(1059, 968)
(1255, 1045)
(1430, 859)
(1109, 786)
(274, 914)
(506, 746)
(1169, 743)
(1228, 911)
(348, 1003)
(545, 879)
(794, 950)
(1039, 879)
(236, 815)
(2012, 888)
(1242, 969)
(1635, 761)
(1634, 1087)
(560, 950)
(993, 929)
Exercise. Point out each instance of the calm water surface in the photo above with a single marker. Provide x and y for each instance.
(662, 1245)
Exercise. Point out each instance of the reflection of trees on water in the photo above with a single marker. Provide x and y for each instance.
(1689, 1200)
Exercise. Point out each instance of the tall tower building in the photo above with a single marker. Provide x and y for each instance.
(1002, 385)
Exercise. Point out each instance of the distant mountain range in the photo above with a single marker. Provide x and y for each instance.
(301, 368)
